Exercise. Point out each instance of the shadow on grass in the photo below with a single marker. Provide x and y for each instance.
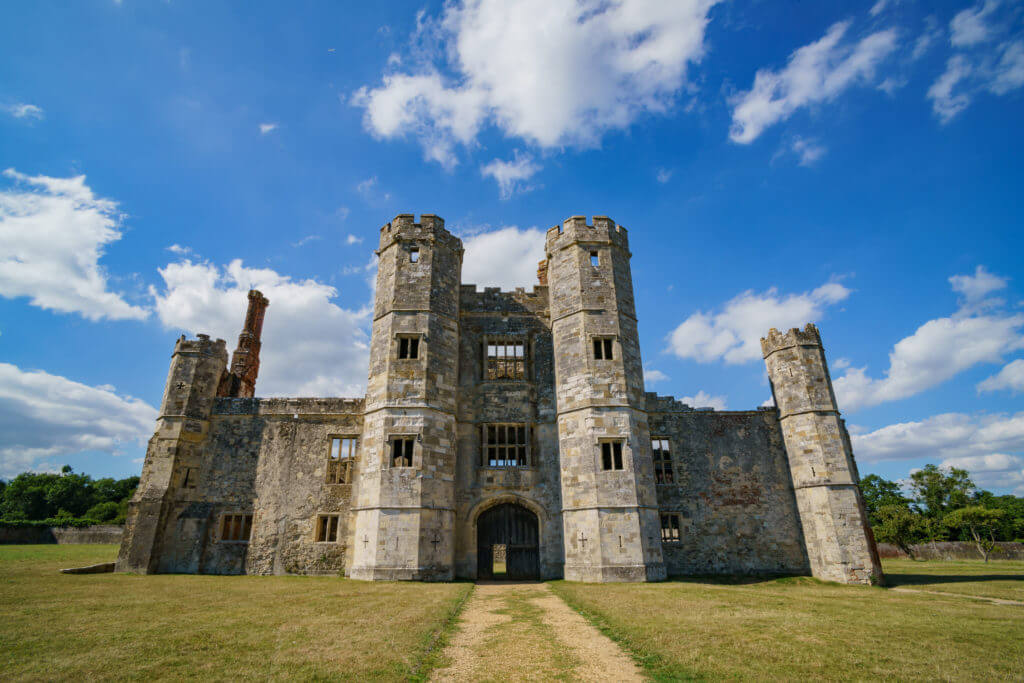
(742, 579)
(892, 579)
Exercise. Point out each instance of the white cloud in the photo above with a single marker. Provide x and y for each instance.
(734, 333)
(969, 28)
(594, 66)
(1010, 377)
(664, 175)
(932, 33)
(979, 443)
(21, 110)
(1008, 74)
(505, 258)
(652, 376)
(370, 191)
(52, 237)
(306, 240)
(878, 7)
(311, 346)
(940, 348)
(352, 239)
(816, 73)
(46, 417)
(510, 175)
(945, 103)
(180, 250)
(809, 151)
(702, 399)
(267, 128)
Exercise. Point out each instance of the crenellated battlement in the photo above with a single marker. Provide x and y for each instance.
(496, 300)
(576, 229)
(430, 228)
(202, 345)
(775, 340)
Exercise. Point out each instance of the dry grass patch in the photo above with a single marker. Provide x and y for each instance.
(996, 579)
(117, 626)
(799, 628)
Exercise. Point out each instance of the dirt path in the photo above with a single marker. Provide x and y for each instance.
(524, 631)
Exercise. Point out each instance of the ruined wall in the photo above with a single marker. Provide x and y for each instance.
(732, 489)
(495, 315)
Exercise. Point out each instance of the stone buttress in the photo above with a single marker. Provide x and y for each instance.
(610, 515)
(403, 510)
(174, 451)
(840, 545)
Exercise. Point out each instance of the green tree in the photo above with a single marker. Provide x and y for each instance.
(899, 525)
(1012, 526)
(878, 493)
(979, 524)
(938, 491)
(104, 512)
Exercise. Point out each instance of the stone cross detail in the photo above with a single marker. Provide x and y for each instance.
(583, 540)
(179, 385)
(437, 539)
(366, 540)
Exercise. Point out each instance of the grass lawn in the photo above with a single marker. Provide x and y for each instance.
(115, 626)
(997, 579)
(801, 629)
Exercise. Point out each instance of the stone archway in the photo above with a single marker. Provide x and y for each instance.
(516, 528)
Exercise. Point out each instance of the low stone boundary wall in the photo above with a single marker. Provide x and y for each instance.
(29, 535)
(950, 550)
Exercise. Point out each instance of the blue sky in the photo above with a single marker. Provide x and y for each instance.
(852, 164)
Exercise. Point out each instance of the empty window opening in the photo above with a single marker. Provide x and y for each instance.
(236, 528)
(327, 528)
(662, 461)
(499, 561)
(408, 348)
(506, 360)
(594, 259)
(340, 459)
(670, 525)
(414, 255)
(611, 455)
(505, 445)
(190, 478)
(401, 451)
(603, 348)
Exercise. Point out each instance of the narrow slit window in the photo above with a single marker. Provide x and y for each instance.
(414, 255)
(611, 455)
(662, 455)
(401, 451)
(595, 260)
(505, 360)
(327, 528)
(670, 527)
(236, 528)
(408, 348)
(505, 445)
(340, 458)
(603, 348)
(190, 478)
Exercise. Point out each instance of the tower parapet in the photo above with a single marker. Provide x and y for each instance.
(840, 545)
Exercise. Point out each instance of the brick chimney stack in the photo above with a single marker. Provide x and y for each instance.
(542, 273)
(245, 361)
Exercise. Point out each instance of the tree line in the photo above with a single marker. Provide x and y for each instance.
(940, 504)
(64, 499)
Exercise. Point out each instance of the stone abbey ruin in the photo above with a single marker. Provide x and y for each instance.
(509, 423)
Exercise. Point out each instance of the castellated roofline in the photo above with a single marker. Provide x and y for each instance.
(202, 344)
(575, 229)
(776, 340)
(430, 228)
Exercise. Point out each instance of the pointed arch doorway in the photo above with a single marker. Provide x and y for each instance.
(510, 530)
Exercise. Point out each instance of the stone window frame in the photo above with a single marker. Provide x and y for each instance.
(608, 345)
(415, 457)
(345, 466)
(526, 462)
(323, 528)
(668, 530)
(667, 463)
(419, 346)
(240, 522)
(622, 460)
(189, 478)
(504, 341)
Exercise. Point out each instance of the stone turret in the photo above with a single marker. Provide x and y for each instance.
(404, 495)
(840, 545)
(610, 516)
(173, 454)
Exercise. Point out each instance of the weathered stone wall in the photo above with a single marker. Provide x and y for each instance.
(97, 533)
(512, 316)
(953, 550)
(732, 489)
